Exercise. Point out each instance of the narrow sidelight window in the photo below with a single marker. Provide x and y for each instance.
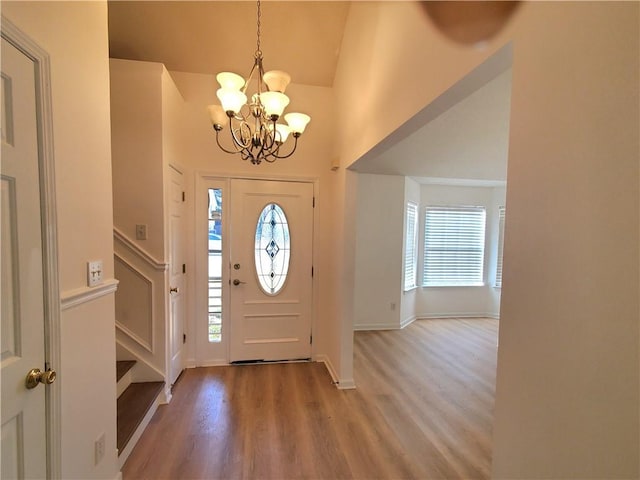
(215, 264)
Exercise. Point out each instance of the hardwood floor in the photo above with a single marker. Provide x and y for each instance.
(423, 409)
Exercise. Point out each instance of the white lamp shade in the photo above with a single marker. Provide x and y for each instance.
(276, 80)
(231, 100)
(282, 132)
(217, 115)
(230, 80)
(297, 121)
(274, 103)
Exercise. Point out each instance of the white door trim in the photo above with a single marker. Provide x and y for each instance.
(40, 58)
(201, 178)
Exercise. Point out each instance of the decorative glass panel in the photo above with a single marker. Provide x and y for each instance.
(272, 249)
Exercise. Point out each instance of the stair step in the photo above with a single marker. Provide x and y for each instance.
(122, 367)
(133, 405)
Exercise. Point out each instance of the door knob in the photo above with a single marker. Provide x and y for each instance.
(237, 282)
(173, 290)
(36, 376)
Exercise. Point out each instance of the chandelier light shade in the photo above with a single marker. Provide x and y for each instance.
(255, 123)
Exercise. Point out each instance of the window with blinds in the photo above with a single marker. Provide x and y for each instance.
(501, 212)
(453, 246)
(411, 246)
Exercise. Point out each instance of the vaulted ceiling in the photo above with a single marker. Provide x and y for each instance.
(301, 38)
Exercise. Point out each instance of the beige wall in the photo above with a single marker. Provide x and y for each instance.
(75, 36)
(567, 393)
(137, 131)
(392, 64)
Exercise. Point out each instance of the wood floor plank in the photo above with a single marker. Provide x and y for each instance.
(423, 409)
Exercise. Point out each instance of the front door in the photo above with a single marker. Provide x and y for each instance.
(21, 264)
(271, 270)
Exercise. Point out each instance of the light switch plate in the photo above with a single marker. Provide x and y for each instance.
(141, 232)
(94, 273)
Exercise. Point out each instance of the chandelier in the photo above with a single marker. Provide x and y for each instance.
(255, 132)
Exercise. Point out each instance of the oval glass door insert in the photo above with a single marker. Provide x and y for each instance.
(272, 249)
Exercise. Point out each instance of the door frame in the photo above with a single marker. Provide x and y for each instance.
(44, 120)
(203, 179)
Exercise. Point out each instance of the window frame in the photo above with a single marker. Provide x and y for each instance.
(410, 248)
(470, 230)
(500, 253)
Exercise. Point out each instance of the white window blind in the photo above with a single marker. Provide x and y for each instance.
(453, 246)
(410, 246)
(501, 212)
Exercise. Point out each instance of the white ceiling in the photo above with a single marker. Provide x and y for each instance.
(301, 38)
(468, 141)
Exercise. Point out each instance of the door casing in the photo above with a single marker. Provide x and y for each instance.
(40, 58)
(200, 356)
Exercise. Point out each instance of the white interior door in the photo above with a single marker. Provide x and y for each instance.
(271, 270)
(176, 272)
(21, 257)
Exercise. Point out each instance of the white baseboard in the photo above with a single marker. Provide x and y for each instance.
(384, 326)
(427, 316)
(341, 384)
(376, 326)
(329, 366)
(210, 363)
(166, 395)
(408, 321)
(346, 384)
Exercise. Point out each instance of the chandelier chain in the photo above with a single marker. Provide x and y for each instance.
(258, 51)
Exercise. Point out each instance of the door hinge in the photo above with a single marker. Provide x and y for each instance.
(314, 202)
(311, 339)
(183, 196)
(184, 338)
(312, 272)
(184, 268)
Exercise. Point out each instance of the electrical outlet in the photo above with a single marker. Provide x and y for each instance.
(99, 449)
(94, 273)
(141, 232)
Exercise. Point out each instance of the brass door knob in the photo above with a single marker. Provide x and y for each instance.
(237, 282)
(37, 376)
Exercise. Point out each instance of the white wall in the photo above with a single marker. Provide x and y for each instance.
(378, 251)
(567, 382)
(568, 367)
(75, 36)
(462, 301)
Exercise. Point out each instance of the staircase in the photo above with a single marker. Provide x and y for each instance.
(137, 402)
